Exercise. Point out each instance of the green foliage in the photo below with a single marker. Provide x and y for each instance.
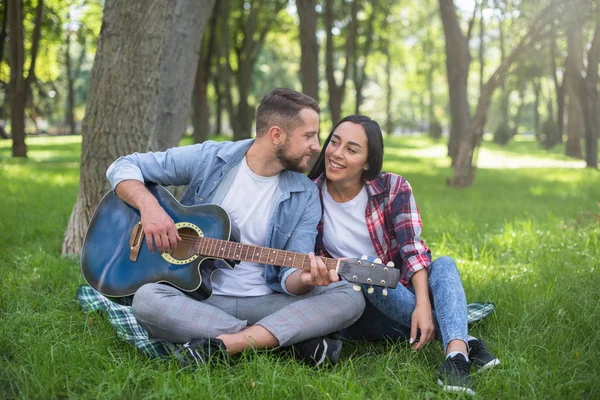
(526, 239)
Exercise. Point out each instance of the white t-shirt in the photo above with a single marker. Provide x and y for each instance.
(345, 232)
(249, 203)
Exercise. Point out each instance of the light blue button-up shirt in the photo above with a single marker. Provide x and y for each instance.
(208, 169)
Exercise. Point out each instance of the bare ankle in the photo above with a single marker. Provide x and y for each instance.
(457, 345)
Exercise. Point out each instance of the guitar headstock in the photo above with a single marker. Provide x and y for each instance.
(372, 273)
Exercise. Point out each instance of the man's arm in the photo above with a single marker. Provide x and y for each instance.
(299, 281)
(172, 167)
(302, 281)
(158, 226)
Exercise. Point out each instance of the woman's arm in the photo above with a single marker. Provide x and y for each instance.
(422, 317)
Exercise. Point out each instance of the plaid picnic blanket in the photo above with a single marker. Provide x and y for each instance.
(121, 318)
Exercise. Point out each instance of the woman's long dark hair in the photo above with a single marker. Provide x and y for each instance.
(374, 148)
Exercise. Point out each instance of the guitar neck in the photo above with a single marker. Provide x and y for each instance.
(244, 252)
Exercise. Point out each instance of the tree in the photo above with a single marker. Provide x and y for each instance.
(251, 26)
(19, 84)
(73, 69)
(361, 54)
(3, 36)
(574, 71)
(338, 91)
(588, 95)
(458, 59)
(309, 60)
(559, 88)
(464, 171)
(147, 55)
(201, 110)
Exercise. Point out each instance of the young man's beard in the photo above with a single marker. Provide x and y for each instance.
(288, 162)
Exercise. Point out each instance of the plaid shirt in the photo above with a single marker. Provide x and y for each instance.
(394, 224)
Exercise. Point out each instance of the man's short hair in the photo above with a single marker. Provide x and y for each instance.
(282, 107)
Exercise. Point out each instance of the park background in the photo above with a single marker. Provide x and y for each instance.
(490, 110)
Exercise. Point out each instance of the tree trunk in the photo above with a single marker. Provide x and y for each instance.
(559, 89)
(252, 30)
(17, 88)
(589, 100)
(389, 118)
(123, 111)
(574, 71)
(337, 91)
(481, 46)
(464, 171)
(309, 59)
(360, 61)
(431, 93)
(218, 106)
(457, 69)
(3, 34)
(537, 88)
(70, 118)
(179, 64)
(519, 114)
(201, 111)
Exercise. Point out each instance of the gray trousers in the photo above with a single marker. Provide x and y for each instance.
(169, 314)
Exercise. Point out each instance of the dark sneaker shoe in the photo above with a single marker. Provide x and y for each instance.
(454, 375)
(199, 351)
(480, 355)
(318, 351)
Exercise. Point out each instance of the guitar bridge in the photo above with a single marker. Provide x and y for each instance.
(135, 241)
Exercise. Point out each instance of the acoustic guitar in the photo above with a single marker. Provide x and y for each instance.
(115, 259)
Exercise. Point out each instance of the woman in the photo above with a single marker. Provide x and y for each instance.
(369, 213)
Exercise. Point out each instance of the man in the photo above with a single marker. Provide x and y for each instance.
(271, 203)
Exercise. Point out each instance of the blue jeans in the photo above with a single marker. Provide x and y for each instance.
(390, 316)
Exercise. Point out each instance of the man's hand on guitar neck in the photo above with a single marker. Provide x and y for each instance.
(159, 228)
(302, 281)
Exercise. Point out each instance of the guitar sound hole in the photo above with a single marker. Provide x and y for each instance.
(185, 248)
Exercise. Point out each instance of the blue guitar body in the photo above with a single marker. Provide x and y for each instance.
(115, 259)
(106, 257)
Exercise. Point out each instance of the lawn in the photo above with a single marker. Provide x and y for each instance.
(526, 239)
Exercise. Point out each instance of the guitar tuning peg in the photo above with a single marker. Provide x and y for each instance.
(370, 290)
(356, 288)
(377, 261)
(385, 292)
(391, 264)
(364, 258)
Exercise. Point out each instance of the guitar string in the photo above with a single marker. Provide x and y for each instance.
(194, 239)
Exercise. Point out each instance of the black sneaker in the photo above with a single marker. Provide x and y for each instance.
(454, 375)
(199, 351)
(318, 351)
(480, 355)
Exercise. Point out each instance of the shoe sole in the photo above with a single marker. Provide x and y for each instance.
(490, 364)
(448, 388)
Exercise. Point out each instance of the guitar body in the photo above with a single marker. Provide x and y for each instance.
(106, 255)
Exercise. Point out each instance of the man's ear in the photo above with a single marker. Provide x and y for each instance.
(276, 134)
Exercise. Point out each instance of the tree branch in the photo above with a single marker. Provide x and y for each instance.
(35, 41)
(472, 21)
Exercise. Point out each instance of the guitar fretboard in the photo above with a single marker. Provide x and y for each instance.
(244, 252)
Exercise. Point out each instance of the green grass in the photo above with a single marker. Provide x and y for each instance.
(526, 239)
